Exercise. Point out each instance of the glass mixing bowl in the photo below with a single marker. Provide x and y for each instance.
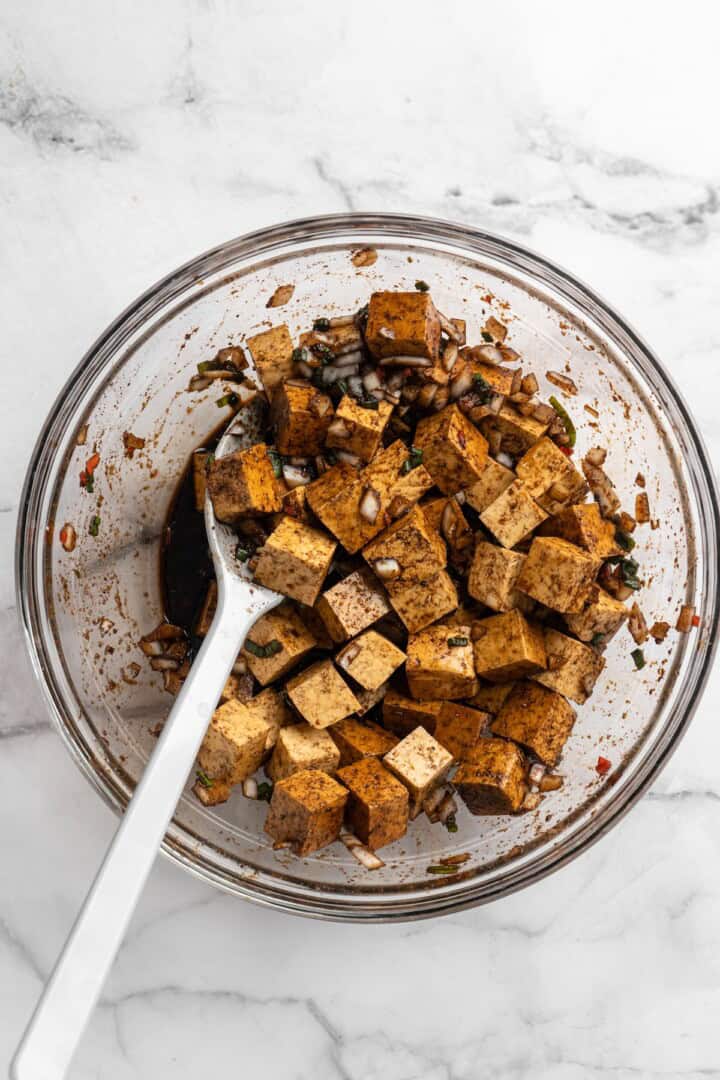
(84, 611)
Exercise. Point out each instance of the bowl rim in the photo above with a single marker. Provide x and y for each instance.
(313, 903)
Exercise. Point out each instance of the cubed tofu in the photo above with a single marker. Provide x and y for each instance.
(423, 602)
(352, 605)
(417, 548)
(243, 485)
(490, 697)
(299, 747)
(513, 516)
(602, 616)
(270, 706)
(446, 516)
(440, 663)
(207, 611)
(547, 472)
(492, 577)
(402, 324)
(517, 433)
(507, 647)
(306, 810)
(321, 695)
(378, 804)
(502, 380)
(368, 699)
(572, 668)
(200, 462)
(459, 727)
(584, 526)
(234, 743)
(370, 659)
(284, 625)
(492, 779)
(295, 560)
(339, 339)
(538, 719)
(420, 763)
(272, 353)
(494, 479)
(403, 714)
(356, 740)
(212, 792)
(300, 415)
(454, 451)
(358, 430)
(558, 574)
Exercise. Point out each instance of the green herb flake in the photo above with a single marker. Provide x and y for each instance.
(242, 554)
(412, 462)
(368, 403)
(275, 461)
(264, 791)
(300, 355)
(273, 647)
(422, 286)
(597, 639)
(451, 824)
(90, 484)
(456, 642)
(323, 352)
(440, 869)
(262, 651)
(624, 539)
(321, 324)
(639, 658)
(94, 528)
(487, 337)
(209, 460)
(565, 418)
(228, 399)
(342, 386)
(204, 779)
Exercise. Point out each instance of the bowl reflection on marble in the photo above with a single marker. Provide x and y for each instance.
(84, 611)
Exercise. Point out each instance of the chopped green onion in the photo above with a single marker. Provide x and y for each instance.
(565, 417)
(597, 639)
(300, 355)
(453, 642)
(242, 554)
(342, 386)
(204, 779)
(324, 352)
(90, 483)
(321, 324)
(275, 461)
(273, 647)
(265, 791)
(482, 387)
(94, 526)
(262, 651)
(451, 824)
(368, 403)
(440, 869)
(624, 540)
(209, 460)
(228, 399)
(412, 462)
(639, 657)
(486, 336)
(422, 286)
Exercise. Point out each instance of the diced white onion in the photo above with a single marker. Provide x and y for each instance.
(295, 476)
(339, 429)
(347, 457)
(504, 458)
(406, 361)
(387, 569)
(372, 381)
(461, 384)
(364, 855)
(370, 505)
(250, 788)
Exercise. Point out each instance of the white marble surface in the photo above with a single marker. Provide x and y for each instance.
(133, 136)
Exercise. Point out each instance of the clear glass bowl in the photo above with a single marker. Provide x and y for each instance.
(84, 611)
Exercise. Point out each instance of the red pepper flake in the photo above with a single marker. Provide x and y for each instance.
(567, 450)
(696, 620)
(92, 463)
(603, 766)
(83, 479)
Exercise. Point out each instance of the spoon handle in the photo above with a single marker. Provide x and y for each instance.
(60, 1016)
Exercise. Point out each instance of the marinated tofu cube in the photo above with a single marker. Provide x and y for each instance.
(284, 626)
(272, 353)
(200, 461)
(601, 617)
(458, 728)
(315, 625)
(572, 668)
(321, 695)
(440, 663)
(356, 741)
(420, 763)
(491, 696)
(338, 339)
(295, 560)
(502, 380)
(358, 430)
(352, 605)
(546, 471)
(446, 516)
(300, 415)
(538, 719)
(234, 743)
(507, 647)
(403, 714)
(243, 485)
(402, 324)
(492, 779)
(270, 706)
(513, 516)
(212, 792)
(494, 479)
(423, 602)
(378, 804)
(584, 526)
(368, 699)
(410, 542)
(558, 574)
(454, 451)
(207, 611)
(516, 433)
(306, 810)
(301, 747)
(370, 659)
(492, 577)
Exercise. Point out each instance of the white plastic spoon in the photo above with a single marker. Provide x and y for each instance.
(69, 997)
